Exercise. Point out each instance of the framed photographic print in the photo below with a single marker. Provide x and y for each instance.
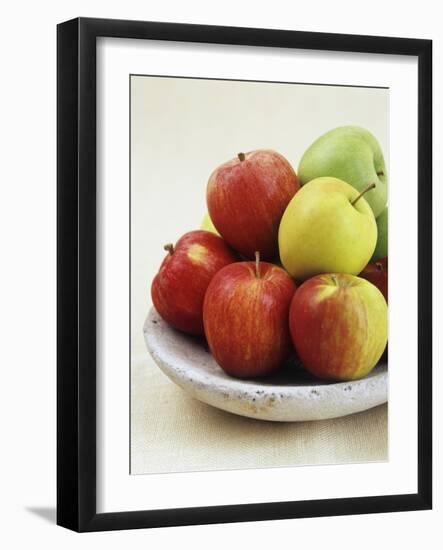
(228, 199)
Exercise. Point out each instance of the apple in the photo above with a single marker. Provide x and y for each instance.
(381, 248)
(245, 315)
(246, 198)
(377, 274)
(178, 289)
(207, 224)
(328, 227)
(351, 154)
(339, 326)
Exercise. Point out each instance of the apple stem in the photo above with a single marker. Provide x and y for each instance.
(257, 264)
(241, 157)
(379, 266)
(381, 173)
(170, 248)
(365, 190)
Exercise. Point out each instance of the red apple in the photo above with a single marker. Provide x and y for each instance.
(377, 274)
(178, 289)
(339, 326)
(246, 199)
(245, 316)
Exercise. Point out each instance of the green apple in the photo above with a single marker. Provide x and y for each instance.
(351, 154)
(381, 248)
(328, 227)
(207, 224)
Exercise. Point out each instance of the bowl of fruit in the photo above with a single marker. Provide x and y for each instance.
(277, 308)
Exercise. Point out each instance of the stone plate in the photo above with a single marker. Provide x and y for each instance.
(289, 396)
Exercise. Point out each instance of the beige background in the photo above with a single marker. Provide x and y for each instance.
(180, 130)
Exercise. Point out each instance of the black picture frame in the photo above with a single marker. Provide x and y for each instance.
(76, 279)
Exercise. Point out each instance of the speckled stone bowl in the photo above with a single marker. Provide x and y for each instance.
(289, 396)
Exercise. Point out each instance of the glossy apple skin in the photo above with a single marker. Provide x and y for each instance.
(207, 224)
(246, 200)
(381, 249)
(377, 274)
(339, 326)
(246, 318)
(321, 231)
(352, 154)
(179, 288)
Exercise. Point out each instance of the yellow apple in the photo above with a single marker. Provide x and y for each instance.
(328, 227)
(207, 224)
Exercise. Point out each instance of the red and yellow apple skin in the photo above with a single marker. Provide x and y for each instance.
(246, 198)
(179, 288)
(339, 326)
(246, 318)
(377, 274)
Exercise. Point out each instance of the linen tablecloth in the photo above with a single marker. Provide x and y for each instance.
(172, 432)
